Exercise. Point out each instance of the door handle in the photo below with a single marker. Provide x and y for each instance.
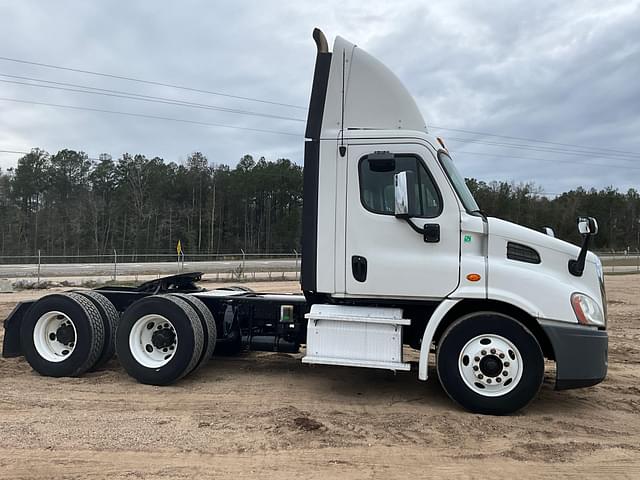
(359, 268)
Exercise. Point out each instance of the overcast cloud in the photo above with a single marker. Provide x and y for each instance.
(564, 72)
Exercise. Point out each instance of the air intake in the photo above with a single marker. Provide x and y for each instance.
(522, 253)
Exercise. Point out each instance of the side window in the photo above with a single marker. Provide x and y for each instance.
(377, 191)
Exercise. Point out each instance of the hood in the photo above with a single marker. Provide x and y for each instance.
(527, 236)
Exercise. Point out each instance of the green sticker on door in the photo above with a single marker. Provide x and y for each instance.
(467, 239)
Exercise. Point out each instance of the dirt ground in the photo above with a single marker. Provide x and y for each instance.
(264, 415)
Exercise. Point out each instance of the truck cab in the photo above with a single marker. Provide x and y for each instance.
(391, 231)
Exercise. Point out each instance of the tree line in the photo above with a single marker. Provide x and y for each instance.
(617, 213)
(68, 204)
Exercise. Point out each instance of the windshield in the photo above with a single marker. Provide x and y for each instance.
(458, 182)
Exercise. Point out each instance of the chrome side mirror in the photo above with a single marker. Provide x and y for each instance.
(587, 226)
(404, 183)
(548, 231)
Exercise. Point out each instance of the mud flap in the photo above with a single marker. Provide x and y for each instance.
(11, 344)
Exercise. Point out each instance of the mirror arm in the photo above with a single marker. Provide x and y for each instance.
(415, 228)
(576, 267)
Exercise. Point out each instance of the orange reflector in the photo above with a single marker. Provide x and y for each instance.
(473, 277)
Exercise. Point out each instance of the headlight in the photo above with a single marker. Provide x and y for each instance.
(587, 310)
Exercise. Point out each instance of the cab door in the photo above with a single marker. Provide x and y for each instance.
(384, 255)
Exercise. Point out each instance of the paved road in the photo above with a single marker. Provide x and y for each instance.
(163, 268)
(170, 268)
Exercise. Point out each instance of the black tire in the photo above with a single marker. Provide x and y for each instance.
(188, 330)
(471, 326)
(87, 343)
(210, 332)
(110, 319)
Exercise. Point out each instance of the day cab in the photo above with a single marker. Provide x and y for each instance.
(391, 230)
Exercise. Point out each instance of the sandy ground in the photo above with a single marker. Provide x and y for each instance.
(264, 415)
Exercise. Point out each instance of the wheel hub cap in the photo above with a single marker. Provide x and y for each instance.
(163, 338)
(65, 334)
(491, 366)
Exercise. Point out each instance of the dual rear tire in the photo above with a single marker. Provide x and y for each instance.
(163, 338)
(160, 338)
(66, 334)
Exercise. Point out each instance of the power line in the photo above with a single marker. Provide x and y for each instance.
(534, 148)
(139, 97)
(537, 148)
(625, 167)
(156, 117)
(586, 149)
(150, 82)
(534, 140)
(141, 115)
(14, 151)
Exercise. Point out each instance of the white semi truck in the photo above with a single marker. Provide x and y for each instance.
(396, 255)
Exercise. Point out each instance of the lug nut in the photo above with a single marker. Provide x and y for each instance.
(501, 355)
(506, 364)
(475, 368)
(483, 352)
(480, 376)
(150, 325)
(165, 350)
(488, 380)
(476, 359)
(159, 327)
(52, 336)
(498, 380)
(148, 348)
(505, 373)
(493, 350)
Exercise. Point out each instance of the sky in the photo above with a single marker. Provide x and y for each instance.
(494, 79)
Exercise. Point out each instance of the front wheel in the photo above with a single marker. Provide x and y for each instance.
(490, 363)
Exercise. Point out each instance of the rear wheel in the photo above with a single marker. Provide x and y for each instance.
(490, 363)
(62, 335)
(209, 329)
(159, 339)
(110, 318)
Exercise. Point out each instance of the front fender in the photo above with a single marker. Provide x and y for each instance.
(432, 325)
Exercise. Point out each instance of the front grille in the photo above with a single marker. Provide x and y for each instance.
(522, 253)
